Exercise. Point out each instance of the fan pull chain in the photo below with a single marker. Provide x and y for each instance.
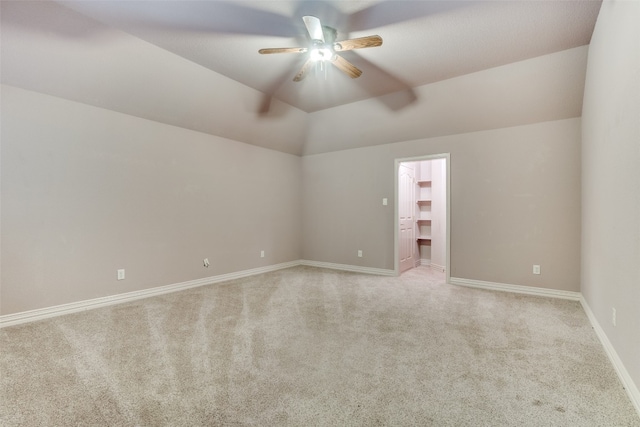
(322, 68)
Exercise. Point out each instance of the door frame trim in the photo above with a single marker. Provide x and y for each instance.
(396, 222)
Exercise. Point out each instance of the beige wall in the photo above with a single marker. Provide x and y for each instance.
(611, 180)
(515, 202)
(86, 191)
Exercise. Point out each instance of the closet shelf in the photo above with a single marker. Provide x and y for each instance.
(423, 237)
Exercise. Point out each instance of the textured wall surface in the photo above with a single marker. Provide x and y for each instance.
(515, 202)
(87, 191)
(611, 180)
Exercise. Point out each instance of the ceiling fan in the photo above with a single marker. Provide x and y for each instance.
(323, 47)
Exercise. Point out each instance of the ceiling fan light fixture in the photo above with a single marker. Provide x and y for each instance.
(323, 48)
(321, 54)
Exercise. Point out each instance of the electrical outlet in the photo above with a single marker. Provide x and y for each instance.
(359, 253)
(206, 262)
(613, 316)
(385, 202)
(536, 269)
(261, 254)
(121, 274)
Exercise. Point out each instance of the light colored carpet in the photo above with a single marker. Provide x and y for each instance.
(307, 346)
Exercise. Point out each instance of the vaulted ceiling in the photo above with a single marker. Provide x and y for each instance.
(195, 64)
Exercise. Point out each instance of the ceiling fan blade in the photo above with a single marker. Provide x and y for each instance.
(387, 12)
(314, 27)
(283, 50)
(303, 71)
(346, 67)
(359, 43)
(220, 16)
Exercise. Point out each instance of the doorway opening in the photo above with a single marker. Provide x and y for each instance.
(422, 214)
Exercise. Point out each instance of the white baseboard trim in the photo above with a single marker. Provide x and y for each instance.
(440, 268)
(528, 290)
(346, 267)
(74, 307)
(424, 262)
(628, 384)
